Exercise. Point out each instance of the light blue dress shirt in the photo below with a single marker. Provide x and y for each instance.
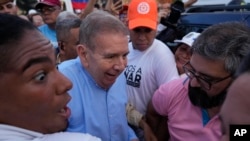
(100, 112)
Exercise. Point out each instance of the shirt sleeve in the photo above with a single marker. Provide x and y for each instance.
(167, 97)
(131, 134)
(160, 100)
(165, 67)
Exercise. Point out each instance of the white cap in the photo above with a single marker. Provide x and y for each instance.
(188, 39)
(32, 11)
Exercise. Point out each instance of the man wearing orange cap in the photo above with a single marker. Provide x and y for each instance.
(8, 7)
(49, 10)
(150, 62)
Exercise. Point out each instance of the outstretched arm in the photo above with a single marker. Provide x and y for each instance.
(113, 7)
(157, 123)
(89, 8)
(148, 133)
(189, 3)
(135, 118)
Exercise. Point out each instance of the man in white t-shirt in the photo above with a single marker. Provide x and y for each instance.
(150, 62)
(33, 93)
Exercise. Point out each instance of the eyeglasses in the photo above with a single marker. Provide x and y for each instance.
(46, 9)
(205, 83)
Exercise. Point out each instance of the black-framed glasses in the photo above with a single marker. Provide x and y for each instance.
(205, 83)
(46, 9)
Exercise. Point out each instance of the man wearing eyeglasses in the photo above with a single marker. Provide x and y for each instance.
(49, 10)
(8, 7)
(191, 105)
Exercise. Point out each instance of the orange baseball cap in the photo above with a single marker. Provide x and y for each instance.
(142, 13)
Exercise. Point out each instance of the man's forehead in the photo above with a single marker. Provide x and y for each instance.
(204, 65)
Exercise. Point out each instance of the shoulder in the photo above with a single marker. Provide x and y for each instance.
(68, 65)
(159, 43)
(169, 94)
(71, 68)
(43, 27)
(161, 48)
(172, 87)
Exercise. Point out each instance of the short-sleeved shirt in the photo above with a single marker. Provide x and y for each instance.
(146, 71)
(185, 122)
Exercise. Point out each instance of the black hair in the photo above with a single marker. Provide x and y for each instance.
(97, 6)
(12, 29)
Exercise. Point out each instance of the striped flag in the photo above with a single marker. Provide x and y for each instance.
(79, 4)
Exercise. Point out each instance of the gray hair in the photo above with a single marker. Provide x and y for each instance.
(63, 27)
(66, 15)
(99, 23)
(228, 42)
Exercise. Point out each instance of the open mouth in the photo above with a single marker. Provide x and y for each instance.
(65, 112)
(111, 76)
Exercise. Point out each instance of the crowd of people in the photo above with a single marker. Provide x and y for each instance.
(103, 75)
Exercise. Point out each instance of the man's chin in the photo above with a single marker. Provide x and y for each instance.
(200, 98)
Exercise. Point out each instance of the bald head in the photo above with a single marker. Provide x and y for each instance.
(235, 109)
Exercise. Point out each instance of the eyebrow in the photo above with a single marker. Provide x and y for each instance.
(202, 74)
(35, 61)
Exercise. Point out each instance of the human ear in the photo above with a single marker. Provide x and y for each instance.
(83, 54)
(61, 47)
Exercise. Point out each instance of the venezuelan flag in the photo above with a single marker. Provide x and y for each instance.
(79, 4)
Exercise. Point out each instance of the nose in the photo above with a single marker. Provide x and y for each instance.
(120, 63)
(64, 84)
(141, 35)
(194, 82)
(45, 12)
(187, 55)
